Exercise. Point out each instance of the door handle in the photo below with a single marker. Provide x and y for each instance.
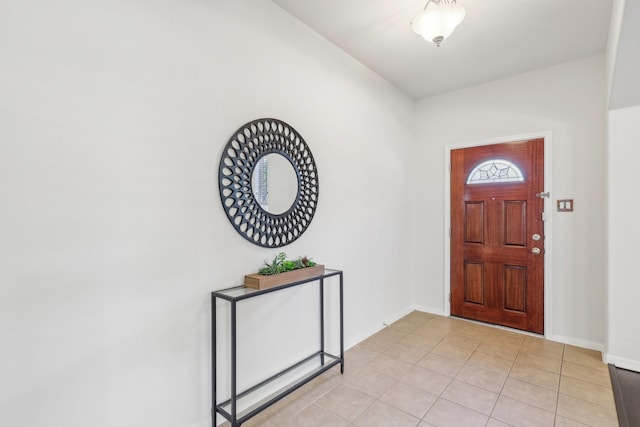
(535, 251)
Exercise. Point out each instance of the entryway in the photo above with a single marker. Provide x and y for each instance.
(497, 234)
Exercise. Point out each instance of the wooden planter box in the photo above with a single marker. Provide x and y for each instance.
(260, 281)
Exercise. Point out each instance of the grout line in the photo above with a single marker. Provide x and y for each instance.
(559, 383)
(465, 363)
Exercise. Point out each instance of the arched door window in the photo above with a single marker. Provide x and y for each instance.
(495, 170)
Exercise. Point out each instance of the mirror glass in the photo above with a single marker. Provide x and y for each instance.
(274, 183)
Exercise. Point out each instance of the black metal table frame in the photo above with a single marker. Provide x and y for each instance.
(232, 415)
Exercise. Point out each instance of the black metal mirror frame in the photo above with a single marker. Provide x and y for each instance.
(245, 148)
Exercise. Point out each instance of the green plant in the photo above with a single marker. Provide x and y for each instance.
(281, 264)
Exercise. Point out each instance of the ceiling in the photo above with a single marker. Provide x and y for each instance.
(498, 38)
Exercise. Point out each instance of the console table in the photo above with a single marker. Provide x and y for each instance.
(306, 369)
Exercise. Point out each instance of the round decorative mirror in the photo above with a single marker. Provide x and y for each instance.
(268, 183)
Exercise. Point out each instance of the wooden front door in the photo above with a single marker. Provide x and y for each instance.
(497, 234)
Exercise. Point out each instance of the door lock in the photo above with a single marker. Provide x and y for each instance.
(536, 237)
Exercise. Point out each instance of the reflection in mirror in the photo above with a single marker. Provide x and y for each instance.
(274, 183)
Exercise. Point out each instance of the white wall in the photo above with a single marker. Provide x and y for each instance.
(113, 115)
(623, 234)
(622, 341)
(567, 100)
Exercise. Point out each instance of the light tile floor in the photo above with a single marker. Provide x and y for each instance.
(426, 370)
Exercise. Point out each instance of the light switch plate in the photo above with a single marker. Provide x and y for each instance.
(565, 205)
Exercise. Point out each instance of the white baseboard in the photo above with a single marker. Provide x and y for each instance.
(591, 345)
(387, 321)
(431, 310)
(621, 362)
(399, 315)
(576, 342)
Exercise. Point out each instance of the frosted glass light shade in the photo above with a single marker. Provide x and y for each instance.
(438, 21)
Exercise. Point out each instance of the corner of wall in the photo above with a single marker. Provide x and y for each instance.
(617, 12)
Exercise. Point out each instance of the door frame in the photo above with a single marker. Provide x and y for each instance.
(548, 209)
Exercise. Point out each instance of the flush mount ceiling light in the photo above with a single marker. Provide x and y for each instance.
(438, 20)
